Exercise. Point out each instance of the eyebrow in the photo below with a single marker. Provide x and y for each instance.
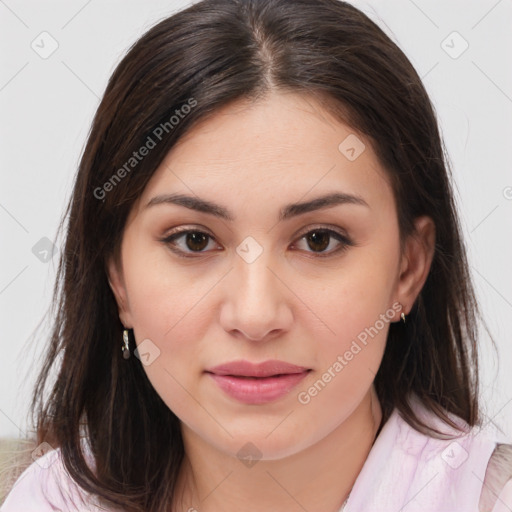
(287, 212)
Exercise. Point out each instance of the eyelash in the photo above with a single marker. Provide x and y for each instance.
(345, 241)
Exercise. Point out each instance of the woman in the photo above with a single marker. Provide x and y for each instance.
(266, 302)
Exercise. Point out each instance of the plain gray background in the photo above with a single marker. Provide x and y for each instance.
(47, 103)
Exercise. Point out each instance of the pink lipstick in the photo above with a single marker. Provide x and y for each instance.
(260, 383)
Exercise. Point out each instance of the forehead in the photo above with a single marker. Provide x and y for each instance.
(285, 145)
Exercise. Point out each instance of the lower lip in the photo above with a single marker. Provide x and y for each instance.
(260, 390)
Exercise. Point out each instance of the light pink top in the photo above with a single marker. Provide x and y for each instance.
(405, 471)
(408, 471)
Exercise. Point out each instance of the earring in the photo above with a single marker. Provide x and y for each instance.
(126, 345)
(402, 316)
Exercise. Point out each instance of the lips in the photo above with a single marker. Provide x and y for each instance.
(269, 368)
(257, 384)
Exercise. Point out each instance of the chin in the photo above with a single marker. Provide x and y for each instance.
(263, 446)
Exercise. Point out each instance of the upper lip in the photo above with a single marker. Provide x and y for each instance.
(268, 368)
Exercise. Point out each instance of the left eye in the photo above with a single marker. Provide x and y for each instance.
(321, 238)
(194, 241)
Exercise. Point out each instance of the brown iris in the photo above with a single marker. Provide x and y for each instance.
(319, 239)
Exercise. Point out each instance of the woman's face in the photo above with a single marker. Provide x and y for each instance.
(262, 281)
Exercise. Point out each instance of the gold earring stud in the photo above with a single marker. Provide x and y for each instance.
(403, 317)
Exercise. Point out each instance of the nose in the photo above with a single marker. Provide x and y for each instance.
(256, 300)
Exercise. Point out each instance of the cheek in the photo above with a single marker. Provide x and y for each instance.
(355, 305)
(170, 312)
(164, 312)
(164, 302)
(161, 292)
(359, 292)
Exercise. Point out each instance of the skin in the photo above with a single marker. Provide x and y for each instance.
(290, 303)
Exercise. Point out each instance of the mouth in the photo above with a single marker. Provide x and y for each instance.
(252, 377)
(252, 390)
(265, 369)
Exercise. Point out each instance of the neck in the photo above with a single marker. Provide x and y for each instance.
(317, 478)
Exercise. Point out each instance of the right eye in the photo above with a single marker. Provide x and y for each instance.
(190, 241)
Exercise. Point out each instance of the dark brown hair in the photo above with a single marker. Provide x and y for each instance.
(206, 56)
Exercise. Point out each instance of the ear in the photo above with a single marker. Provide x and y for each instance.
(116, 282)
(416, 261)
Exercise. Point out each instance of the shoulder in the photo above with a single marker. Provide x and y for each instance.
(497, 485)
(46, 486)
(478, 461)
